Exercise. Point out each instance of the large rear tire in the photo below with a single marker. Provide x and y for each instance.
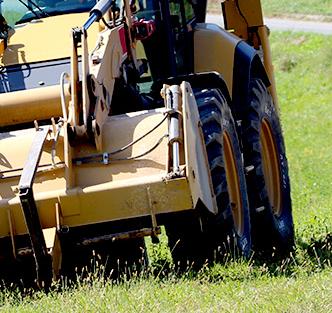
(267, 179)
(198, 238)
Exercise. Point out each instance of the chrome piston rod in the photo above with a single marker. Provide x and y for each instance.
(97, 12)
(173, 100)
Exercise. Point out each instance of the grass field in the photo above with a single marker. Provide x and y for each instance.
(263, 294)
(303, 64)
(280, 7)
(296, 9)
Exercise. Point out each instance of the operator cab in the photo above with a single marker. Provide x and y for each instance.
(32, 62)
(169, 50)
(172, 41)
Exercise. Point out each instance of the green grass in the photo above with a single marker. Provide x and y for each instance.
(303, 65)
(264, 294)
(281, 7)
(295, 9)
(303, 283)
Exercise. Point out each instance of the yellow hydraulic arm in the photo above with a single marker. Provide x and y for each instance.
(245, 19)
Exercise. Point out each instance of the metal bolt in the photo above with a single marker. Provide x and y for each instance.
(105, 158)
(249, 168)
(260, 209)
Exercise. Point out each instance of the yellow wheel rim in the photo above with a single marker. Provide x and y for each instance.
(233, 184)
(270, 162)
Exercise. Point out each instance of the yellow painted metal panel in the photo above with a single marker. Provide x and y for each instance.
(240, 15)
(214, 51)
(2, 46)
(45, 39)
(29, 105)
(108, 202)
(102, 192)
(197, 165)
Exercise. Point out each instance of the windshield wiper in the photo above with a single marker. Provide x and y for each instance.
(31, 9)
(44, 14)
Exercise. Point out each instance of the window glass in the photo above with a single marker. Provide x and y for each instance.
(189, 11)
(146, 9)
(15, 11)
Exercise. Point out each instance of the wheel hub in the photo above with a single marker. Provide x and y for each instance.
(233, 184)
(270, 162)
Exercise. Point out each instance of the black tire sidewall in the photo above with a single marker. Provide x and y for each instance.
(281, 226)
(284, 222)
(224, 220)
(228, 126)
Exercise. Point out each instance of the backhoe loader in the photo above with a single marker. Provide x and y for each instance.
(118, 118)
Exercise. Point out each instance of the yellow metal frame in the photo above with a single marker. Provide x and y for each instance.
(2, 46)
(116, 191)
(244, 18)
(29, 105)
(240, 15)
(197, 165)
(71, 193)
(220, 53)
(120, 184)
(102, 192)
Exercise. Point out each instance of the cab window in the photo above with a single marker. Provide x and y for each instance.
(17, 12)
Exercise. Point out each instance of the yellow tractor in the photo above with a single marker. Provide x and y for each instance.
(117, 118)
